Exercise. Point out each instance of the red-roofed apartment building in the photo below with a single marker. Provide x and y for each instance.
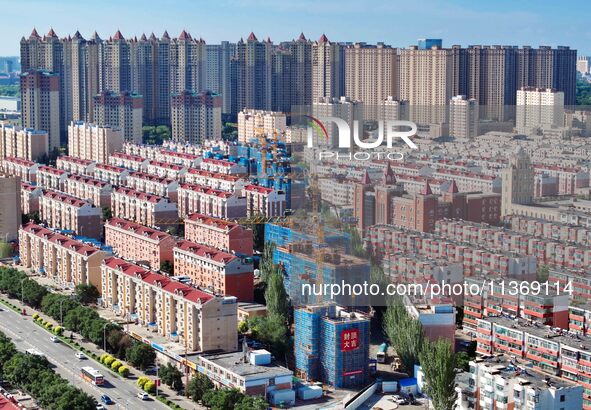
(264, 201)
(217, 271)
(195, 318)
(146, 209)
(219, 233)
(136, 242)
(59, 257)
(67, 212)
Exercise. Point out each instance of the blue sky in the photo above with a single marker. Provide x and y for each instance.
(399, 23)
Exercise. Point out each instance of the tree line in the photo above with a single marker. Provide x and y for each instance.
(33, 375)
(437, 359)
(201, 389)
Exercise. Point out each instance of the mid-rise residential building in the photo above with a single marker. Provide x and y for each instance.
(332, 345)
(583, 64)
(193, 198)
(152, 184)
(68, 213)
(131, 162)
(92, 142)
(51, 178)
(538, 109)
(195, 319)
(75, 165)
(220, 272)
(502, 382)
(10, 204)
(139, 243)
(120, 109)
(262, 201)
(110, 173)
(219, 233)
(146, 209)
(254, 123)
(24, 143)
(23, 168)
(166, 170)
(196, 116)
(67, 261)
(40, 103)
(223, 182)
(222, 166)
(96, 191)
(30, 198)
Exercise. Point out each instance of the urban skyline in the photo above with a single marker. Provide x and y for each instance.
(526, 23)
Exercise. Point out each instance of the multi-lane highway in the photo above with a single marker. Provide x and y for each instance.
(26, 335)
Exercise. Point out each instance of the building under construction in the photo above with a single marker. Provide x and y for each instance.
(332, 345)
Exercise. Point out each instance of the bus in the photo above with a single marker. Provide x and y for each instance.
(381, 354)
(92, 375)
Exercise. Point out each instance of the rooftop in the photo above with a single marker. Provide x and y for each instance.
(234, 362)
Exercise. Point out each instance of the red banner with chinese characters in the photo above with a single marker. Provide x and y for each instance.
(349, 340)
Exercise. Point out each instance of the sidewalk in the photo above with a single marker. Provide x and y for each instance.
(163, 390)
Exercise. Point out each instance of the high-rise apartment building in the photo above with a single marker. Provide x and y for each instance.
(583, 63)
(196, 116)
(300, 52)
(371, 75)
(547, 67)
(10, 204)
(426, 83)
(92, 142)
(120, 110)
(218, 73)
(25, 143)
(40, 99)
(463, 117)
(187, 63)
(429, 43)
(490, 79)
(253, 73)
(328, 69)
(538, 108)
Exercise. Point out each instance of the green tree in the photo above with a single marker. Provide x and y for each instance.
(167, 267)
(34, 217)
(106, 213)
(222, 399)
(543, 273)
(86, 294)
(404, 332)
(141, 355)
(276, 296)
(252, 403)
(243, 327)
(171, 376)
(198, 386)
(462, 361)
(267, 267)
(439, 364)
(271, 330)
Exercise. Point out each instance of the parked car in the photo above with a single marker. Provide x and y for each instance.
(54, 339)
(80, 355)
(399, 400)
(143, 396)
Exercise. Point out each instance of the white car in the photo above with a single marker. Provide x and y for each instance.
(80, 355)
(100, 407)
(54, 339)
(143, 396)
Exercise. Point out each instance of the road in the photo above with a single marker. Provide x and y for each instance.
(26, 335)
